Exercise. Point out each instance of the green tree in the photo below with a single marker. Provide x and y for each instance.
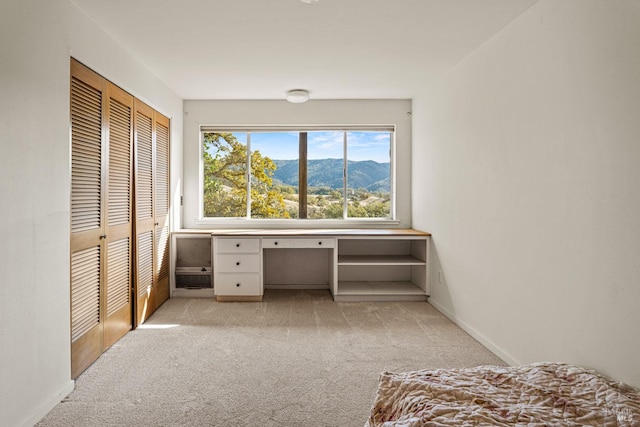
(334, 210)
(379, 209)
(335, 194)
(225, 180)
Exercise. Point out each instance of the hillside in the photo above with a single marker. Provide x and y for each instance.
(367, 174)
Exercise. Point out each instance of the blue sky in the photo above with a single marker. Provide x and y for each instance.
(322, 145)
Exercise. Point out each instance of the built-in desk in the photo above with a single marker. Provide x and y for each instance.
(353, 264)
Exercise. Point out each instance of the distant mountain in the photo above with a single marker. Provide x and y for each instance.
(367, 174)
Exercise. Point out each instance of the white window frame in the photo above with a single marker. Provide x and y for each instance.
(298, 222)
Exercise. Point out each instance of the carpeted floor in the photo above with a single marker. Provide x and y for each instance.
(295, 359)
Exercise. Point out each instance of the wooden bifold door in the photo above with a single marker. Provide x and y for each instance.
(152, 210)
(103, 247)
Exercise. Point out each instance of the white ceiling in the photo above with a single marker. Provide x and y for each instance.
(336, 49)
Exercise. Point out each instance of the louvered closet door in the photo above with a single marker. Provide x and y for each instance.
(161, 209)
(101, 223)
(151, 133)
(87, 216)
(144, 225)
(119, 245)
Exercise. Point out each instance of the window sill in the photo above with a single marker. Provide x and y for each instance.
(295, 223)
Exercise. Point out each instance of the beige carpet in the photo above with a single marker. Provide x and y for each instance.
(295, 359)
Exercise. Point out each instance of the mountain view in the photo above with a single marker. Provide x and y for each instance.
(274, 191)
(368, 174)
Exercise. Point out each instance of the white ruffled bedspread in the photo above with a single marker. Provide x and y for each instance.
(540, 394)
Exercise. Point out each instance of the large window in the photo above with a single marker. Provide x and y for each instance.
(298, 173)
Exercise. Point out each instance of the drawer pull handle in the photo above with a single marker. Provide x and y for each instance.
(237, 245)
(319, 243)
(238, 285)
(238, 263)
(275, 243)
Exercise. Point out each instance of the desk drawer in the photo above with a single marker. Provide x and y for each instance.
(237, 263)
(237, 245)
(237, 284)
(298, 243)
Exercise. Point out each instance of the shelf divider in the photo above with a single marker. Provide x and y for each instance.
(379, 260)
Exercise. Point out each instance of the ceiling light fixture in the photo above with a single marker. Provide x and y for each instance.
(297, 96)
(309, 1)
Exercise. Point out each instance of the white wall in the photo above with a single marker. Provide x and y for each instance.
(34, 224)
(36, 40)
(315, 112)
(528, 155)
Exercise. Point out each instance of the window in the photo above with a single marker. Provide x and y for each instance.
(297, 173)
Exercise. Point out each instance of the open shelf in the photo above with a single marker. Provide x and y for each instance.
(191, 265)
(379, 288)
(379, 291)
(382, 269)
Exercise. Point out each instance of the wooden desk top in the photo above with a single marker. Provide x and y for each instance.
(302, 232)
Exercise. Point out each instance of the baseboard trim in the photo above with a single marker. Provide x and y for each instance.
(49, 404)
(490, 345)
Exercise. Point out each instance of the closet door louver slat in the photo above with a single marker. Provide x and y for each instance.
(119, 163)
(145, 259)
(144, 167)
(85, 291)
(118, 288)
(144, 276)
(86, 156)
(162, 170)
(162, 252)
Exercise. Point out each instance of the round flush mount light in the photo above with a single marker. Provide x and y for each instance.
(297, 96)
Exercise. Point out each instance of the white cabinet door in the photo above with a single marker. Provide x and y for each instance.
(240, 263)
(297, 243)
(237, 284)
(237, 245)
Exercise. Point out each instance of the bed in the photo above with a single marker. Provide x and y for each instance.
(540, 394)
